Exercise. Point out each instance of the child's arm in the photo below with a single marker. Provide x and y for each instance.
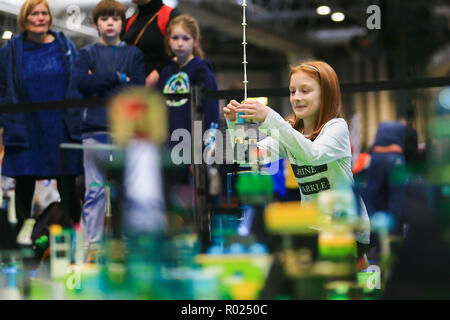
(274, 151)
(270, 149)
(137, 71)
(74, 54)
(95, 83)
(332, 145)
(135, 75)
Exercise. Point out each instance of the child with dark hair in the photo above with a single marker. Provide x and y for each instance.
(103, 69)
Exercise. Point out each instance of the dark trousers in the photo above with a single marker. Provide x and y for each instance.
(67, 189)
(361, 249)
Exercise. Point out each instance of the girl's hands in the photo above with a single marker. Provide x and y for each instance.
(230, 110)
(253, 110)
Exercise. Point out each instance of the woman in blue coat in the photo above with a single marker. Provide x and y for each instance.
(37, 66)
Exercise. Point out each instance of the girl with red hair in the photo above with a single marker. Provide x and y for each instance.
(315, 137)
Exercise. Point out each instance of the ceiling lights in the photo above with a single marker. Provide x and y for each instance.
(7, 35)
(337, 17)
(323, 10)
(326, 10)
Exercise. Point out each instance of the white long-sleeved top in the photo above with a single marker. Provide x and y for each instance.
(318, 165)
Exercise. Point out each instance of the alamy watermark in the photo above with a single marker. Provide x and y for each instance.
(374, 20)
(189, 148)
(74, 17)
(374, 280)
(73, 281)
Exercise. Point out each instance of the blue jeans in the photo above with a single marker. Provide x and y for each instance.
(93, 216)
(386, 180)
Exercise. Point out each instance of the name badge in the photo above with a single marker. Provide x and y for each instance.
(315, 186)
(307, 171)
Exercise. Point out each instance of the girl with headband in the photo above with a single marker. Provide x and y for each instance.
(315, 137)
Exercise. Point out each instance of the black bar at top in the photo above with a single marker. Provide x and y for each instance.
(407, 84)
(345, 88)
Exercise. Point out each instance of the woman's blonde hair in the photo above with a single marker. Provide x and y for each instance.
(26, 9)
(190, 24)
(330, 95)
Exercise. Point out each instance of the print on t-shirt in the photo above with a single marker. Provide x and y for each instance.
(315, 186)
(306, 171)
(178, 83)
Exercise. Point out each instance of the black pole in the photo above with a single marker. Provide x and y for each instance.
(201, 214)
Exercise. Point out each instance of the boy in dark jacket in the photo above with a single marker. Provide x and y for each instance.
(103, 69)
